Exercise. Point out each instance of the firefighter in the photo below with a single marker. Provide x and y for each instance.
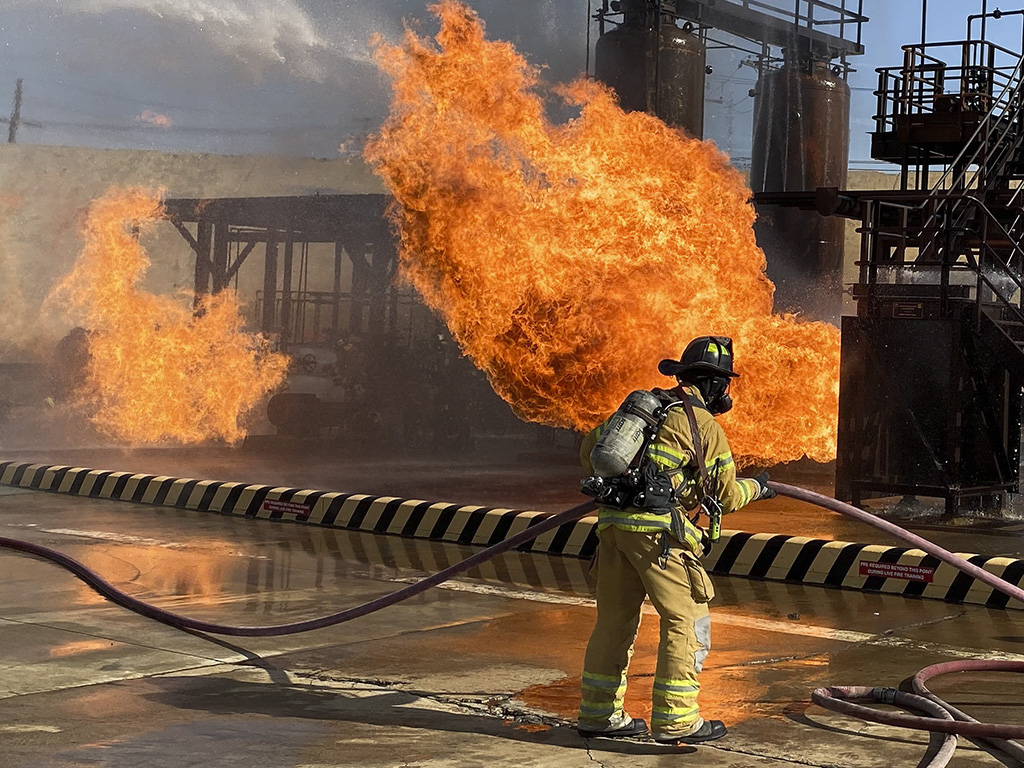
(648, 553)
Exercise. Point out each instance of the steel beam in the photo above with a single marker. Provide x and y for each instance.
(756, 25)
(220, 257)
(201, 245)
(269, 320)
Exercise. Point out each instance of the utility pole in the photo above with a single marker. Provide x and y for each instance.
(15, 121)
(12, 130)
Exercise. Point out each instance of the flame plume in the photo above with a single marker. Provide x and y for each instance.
(569, 259)
(157, 371)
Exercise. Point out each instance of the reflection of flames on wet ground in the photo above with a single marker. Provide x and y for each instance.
(568, 259)
(151, 569)
(733, 689)
(158, 370)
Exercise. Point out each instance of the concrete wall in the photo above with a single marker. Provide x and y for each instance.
(45, 191)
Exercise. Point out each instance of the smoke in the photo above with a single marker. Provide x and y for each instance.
(253, 32)
(309, 37)
(19, 333)
(237, 76)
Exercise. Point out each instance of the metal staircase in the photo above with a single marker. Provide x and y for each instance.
(960, 232)
(940, 294)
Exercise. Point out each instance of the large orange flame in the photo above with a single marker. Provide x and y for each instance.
(568, 259)
(158, 371)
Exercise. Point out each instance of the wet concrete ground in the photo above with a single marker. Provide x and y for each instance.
(480, 674)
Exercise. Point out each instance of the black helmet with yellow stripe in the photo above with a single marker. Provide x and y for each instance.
(704, 355)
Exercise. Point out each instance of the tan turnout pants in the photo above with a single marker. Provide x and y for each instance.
(627, 571)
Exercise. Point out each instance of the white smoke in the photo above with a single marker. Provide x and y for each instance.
(548, 18)
(254, 32)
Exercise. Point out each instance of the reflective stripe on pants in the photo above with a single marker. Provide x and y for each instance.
(627, 571)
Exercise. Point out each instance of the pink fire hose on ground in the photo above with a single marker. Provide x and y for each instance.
(941, 717)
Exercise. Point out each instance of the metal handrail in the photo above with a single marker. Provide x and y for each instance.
(993, 260)
(988, 211)
(1003, 266)
(1006, 303)
(953, 207)
(916, 77)
(966, 43)
(995, 152)
(846, 15)
(1005, 94)
(964, 230)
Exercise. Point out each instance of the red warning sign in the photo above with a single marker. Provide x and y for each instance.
(897, 571)
(286, 507)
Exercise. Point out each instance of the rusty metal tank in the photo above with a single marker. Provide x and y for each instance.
(669, 84)
(801, 141)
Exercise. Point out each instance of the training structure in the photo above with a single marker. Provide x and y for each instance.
(653, 54)
(329, 299)
(933, 362)
(224, 232)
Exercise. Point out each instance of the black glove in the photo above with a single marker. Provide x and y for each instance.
(766, 491)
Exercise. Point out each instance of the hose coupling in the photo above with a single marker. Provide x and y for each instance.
(884, 695)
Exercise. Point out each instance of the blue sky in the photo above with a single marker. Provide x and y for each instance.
(293, 76)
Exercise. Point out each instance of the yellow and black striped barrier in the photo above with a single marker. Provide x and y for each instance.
(868, 568)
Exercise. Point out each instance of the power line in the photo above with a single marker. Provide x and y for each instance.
(195, 129)
(15, 121)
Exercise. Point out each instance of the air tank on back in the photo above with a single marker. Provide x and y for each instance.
(801, 142)
(665, 79)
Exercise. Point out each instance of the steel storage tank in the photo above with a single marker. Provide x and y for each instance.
(801, 141)
(672, 88)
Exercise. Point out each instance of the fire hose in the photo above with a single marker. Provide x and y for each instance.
(940, 716)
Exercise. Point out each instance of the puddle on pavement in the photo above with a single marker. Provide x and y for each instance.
(79, 647)
(557, 640)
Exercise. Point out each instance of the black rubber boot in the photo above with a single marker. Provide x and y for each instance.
(636, 727)
(709, 731)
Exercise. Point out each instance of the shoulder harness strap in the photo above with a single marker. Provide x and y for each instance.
(698, 448)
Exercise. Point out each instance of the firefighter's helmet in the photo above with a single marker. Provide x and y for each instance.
(705, 354)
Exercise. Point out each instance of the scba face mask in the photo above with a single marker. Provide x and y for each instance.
(718, 399)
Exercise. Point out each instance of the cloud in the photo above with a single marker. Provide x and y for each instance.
(153, 118)
(254, 32)
(238, 76)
